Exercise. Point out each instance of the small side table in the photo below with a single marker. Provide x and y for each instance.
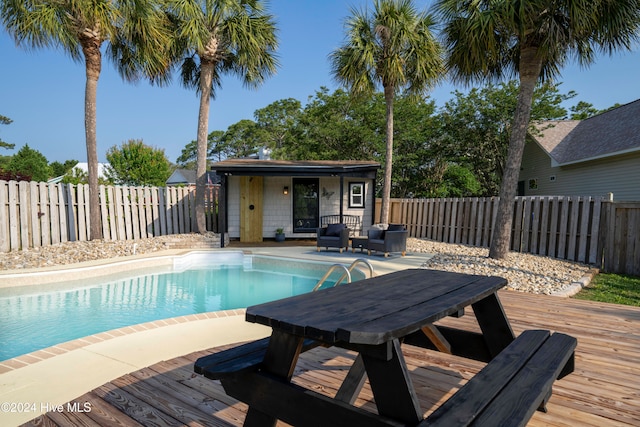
(359, 242)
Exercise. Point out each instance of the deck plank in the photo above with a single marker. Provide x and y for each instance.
(604, 389)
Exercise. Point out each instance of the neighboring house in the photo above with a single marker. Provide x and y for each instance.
(187, 177)
(260, 196)
(592, 157)
(84, 168)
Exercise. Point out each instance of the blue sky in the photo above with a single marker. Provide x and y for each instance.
(42, 91)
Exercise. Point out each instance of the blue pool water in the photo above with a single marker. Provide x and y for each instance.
(32, 318)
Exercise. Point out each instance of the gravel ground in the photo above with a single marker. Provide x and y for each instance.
(527, 273)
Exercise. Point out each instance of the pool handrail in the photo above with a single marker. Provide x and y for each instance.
(346, 274)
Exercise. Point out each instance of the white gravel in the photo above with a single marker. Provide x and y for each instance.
(525, 272)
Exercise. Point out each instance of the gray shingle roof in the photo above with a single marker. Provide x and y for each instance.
(611, 133)
(188, 177)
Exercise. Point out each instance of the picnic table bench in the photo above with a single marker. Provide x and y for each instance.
(373, 317)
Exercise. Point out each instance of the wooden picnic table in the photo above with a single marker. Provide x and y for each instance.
(374, 317)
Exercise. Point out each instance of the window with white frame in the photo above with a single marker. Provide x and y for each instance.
(356, 195)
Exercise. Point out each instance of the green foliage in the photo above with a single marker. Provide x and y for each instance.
(30, 162)
(137, 164)
(237, 38)
(613, 288)
(477, 127)
(5, 121)
(416, 130)
(337, 127)
(4, 162)
(458, 181)
(583, 110)
(390, 45)
(59, 169)
(275, 123)
(241, 139)
(77, 176)
(215, 150)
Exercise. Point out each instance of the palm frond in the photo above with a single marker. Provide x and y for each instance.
(391, 46)
(483, 38)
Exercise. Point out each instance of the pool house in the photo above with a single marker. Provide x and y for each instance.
(259, 197)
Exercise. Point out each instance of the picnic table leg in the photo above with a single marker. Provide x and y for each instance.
(494, 324)
(352, 384)
(280, 360)
(392, 386)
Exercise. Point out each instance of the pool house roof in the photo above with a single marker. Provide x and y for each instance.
(255, 167)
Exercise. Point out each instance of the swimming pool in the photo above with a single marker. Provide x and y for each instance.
(36, 317)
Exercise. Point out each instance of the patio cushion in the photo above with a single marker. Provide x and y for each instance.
(334, 229)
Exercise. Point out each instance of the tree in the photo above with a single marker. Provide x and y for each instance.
(59, 169)
(275, 122)
(215, 145)
(335, 126)
(391, 46)
(583, 110)
(30, 162)
(416, 131)
(241, 139)
(217, 37)
(137, 164)
(489, 40)
(189, 153)
(477, 125)
(136, 32)
(6, 121)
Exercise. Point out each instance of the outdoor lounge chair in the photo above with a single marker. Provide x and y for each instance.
(393, 239)
(333, 236)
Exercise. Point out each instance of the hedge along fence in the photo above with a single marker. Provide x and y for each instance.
(39, 214)
(585, 229)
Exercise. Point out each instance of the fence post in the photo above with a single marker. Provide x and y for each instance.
(23, 206)
(4, 217)
(594, 242)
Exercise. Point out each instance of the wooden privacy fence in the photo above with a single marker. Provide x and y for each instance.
(620, 238)
(39, 214)
(585, 229)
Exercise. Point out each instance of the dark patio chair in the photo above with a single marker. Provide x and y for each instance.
(393, 239)
(333, 236)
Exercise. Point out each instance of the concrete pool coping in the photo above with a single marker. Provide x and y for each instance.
(44, 380)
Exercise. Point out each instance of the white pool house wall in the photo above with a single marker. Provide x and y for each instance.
(278, 207)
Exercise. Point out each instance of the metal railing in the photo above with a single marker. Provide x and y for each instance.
(346, 274)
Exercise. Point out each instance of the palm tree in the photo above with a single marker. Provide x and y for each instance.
(491, 40)
(217, 37)
(136, 32)
(391, 46)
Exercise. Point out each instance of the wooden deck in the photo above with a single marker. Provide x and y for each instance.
(604, 390)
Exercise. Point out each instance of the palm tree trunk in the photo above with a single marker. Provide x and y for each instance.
(388, 166)
(530, 67)
(206, 75)
(93, 63)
